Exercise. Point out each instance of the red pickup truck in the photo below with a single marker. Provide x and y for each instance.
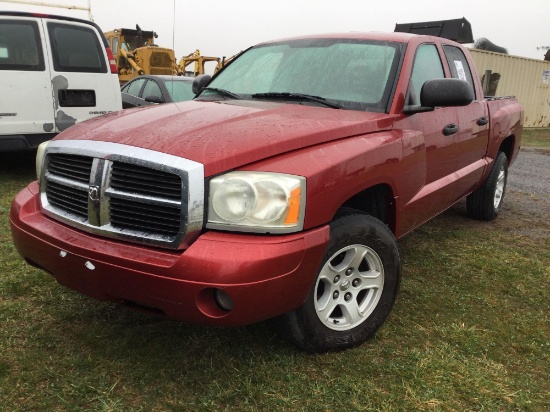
(280, 190)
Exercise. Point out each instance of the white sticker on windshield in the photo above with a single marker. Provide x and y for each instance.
(460, 70)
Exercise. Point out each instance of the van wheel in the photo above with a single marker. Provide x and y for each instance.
(485, 203)
(354, 290)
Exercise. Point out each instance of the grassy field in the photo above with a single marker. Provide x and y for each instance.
(539, 138)
(470, 332)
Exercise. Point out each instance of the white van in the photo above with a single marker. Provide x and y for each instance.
(54, 72)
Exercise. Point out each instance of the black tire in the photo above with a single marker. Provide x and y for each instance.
(486, 202)
(369, 283)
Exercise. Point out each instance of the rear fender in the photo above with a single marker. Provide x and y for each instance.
(506, 127)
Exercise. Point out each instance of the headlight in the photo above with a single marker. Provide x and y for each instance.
(40, 153)
(257, 202)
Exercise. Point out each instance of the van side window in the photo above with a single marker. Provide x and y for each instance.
(460, 69)
(427, 66)
(76, 49)
(20, 46)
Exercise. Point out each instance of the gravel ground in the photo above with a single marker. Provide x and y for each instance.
(531, 174)
(526, 207)
(528, 195)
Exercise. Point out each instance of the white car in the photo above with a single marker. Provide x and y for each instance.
(54, 72)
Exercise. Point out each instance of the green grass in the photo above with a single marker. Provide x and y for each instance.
(535, 137)
(470, 332)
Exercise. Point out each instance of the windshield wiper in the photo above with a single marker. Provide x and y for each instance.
(223, 92)
(297, 96)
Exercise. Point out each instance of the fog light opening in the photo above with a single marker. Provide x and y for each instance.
(223, 300)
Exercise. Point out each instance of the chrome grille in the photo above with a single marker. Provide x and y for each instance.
(153, 199)
(124, 192)
(72, 167)
(69, 199)
(129, 214)
(145, 181)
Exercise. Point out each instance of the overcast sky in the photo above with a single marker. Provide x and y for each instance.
(225, 27)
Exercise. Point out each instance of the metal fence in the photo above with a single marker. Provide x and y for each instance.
(527, 79)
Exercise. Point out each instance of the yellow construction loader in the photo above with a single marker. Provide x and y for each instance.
(136, 53)
(199, 63)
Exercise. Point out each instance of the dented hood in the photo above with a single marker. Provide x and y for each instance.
(228, 134)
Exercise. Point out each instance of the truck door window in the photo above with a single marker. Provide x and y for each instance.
(460, 69)
(427, 66)
(20, 47)
(76, 49)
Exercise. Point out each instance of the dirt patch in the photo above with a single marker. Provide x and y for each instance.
(525, 214)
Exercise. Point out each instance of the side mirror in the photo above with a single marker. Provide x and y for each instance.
(200, 83)
(442, 93)
(446, 92)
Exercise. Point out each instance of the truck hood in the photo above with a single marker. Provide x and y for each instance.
(227, 134)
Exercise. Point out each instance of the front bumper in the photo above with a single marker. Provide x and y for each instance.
(265, 276)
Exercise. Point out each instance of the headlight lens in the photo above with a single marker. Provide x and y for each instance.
(234, 199)
(40, 153)
(257, 202)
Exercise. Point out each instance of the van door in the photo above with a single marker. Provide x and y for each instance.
(25, 85)
(82, 82)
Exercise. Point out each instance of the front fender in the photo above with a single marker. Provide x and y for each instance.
(338, 170)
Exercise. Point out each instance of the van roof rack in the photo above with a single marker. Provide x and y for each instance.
(459, 30)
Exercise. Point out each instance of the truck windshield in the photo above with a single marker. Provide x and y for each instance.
(349, 74)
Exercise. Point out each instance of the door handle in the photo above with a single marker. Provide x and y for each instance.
(482, 121)
(450, 129)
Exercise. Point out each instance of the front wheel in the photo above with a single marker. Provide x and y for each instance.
(485, 203)
(355, 288)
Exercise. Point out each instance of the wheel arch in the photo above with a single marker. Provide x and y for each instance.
(377, 201)
(507, 146)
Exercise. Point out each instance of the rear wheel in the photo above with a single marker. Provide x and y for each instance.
(485, 203)
(354, 290)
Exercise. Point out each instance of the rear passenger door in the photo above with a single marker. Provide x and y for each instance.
(25, 86)
(82, 84)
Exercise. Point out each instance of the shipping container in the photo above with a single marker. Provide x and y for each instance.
(527, 79)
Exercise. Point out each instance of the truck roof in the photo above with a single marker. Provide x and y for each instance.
(380, 36)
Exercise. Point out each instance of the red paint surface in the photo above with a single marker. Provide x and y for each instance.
(265, 277)
(340, 152)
